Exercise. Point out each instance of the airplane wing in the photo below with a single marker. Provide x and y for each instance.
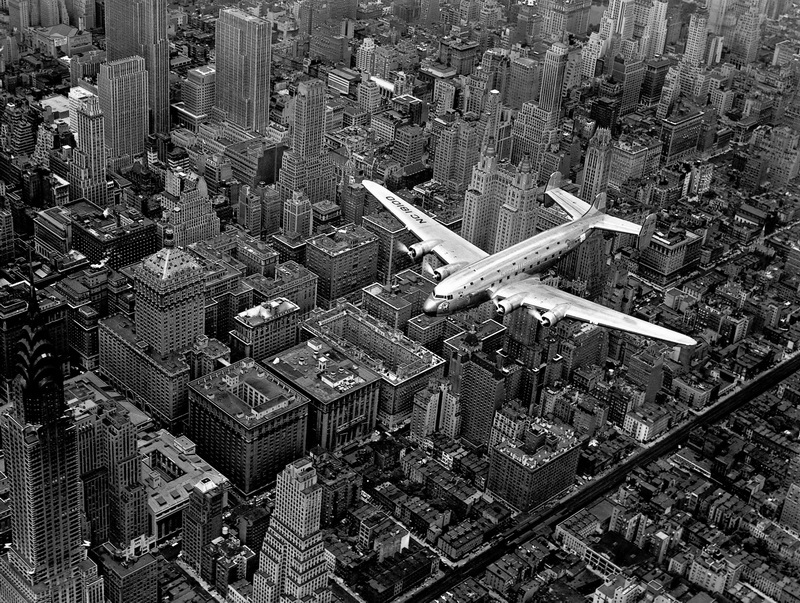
(571, 204)
(450, 247)
(532, 293)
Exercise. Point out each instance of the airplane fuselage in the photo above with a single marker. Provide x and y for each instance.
(472, 285)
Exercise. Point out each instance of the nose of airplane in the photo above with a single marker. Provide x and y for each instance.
(431, 306)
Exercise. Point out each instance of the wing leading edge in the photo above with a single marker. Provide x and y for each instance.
(535, 294)
(451, 247)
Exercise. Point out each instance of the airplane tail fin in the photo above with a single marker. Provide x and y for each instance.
(599, 205)
(554, 182)
(648, 230)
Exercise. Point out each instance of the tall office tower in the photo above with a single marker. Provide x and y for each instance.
(127, 498)
(533, 130)
(597, 165)
(139, 27)
(591, 52)
(88, 167)
(202, 520)
(297, 215)
(46, 560)
(564, 16)
(654, 36)
(369, 95)
(630, 73)
(37, 13)
(697, 38)
(523, 82)
(199, 90)
(457, 152)
(170, 306)
(516, 217)
(500, 206)
(781, 148)
(717, 10)
(187, 211)
(243, 64)
(308, 125)
(81, 14)
(6, 234)
(477, 87)
(555, 64)
(619, 18)
(304, 166)
(747, 37)
(17, 134)
(122, 88)
(790, 513)
(365, 56)
(292, 564)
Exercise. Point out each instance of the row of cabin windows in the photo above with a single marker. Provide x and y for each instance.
(514, 264)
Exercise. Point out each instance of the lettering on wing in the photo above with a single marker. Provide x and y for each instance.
(404, 208)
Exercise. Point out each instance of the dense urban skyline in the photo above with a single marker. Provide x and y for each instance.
(359, 301)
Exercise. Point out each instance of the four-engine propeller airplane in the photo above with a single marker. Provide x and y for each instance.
(510, 277)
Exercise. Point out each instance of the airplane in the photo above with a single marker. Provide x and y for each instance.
(510, 278)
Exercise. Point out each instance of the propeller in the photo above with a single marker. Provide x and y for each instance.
(427, 270)
(401, 247)
(535, 314)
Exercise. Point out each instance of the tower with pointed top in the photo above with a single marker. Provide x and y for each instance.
(500, 205)
(47, 560)
(170, 306)
(516, 217)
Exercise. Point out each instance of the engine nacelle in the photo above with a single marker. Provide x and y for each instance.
(442, 272)
(509, 304)
(417, 251)
(552, 317)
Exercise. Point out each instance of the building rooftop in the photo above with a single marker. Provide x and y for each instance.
(169, 263)
(400, 360)
(556, 440)
(248, 393)
(266, 311)
(343, 239)
(171, 468)
(320, 371)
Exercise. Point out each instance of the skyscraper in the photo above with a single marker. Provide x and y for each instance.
(139, 27)
(199, 90)
(596, 166)
(747, 36)
(308, 126)
(202, 520)
(500, 206)
(88, 167)
(304, 167)
(170, 306)
(46, 560)
(297, 215)
(292, 564)
(697, 38)
(6, 234)
(243, 68)
(655, 30)
(555, 64)
(122, 88)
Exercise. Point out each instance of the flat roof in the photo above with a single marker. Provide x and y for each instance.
(320, 371)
